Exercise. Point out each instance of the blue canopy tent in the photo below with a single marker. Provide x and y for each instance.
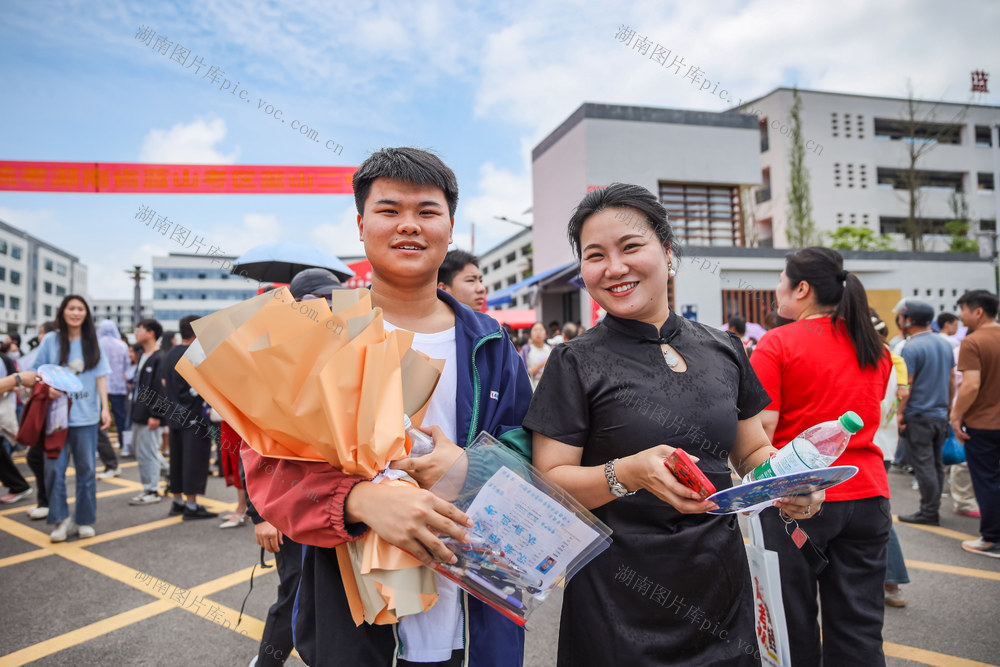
(505, 295)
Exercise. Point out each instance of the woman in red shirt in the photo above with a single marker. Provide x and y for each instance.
(827, 362)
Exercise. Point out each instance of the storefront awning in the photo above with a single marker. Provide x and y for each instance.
(505, 295)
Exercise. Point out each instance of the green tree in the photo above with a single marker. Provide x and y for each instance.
(859, 238)
(958, 227)
(801, 229)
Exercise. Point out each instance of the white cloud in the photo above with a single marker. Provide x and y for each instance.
(253, 230)
(191, 143)
(500, 192)
(108, 280)
(40, 223)
(339, 237)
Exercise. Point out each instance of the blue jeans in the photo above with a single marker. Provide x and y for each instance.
(121, 416)
(895, 571)
(81, 442)
(982, 450)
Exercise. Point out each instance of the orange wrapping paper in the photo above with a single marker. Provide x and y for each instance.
(300, 380)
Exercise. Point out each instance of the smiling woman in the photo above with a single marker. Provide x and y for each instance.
(590, 442)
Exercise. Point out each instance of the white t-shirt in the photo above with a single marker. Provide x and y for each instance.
(434, 634)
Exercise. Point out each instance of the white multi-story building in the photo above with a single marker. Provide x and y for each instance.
(192, 284)
(706, 166)
(856, 152)
(118, 311)
(702, 165)
(35, 276)
(504, 266)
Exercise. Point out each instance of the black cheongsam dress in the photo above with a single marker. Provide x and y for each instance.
(673, 589)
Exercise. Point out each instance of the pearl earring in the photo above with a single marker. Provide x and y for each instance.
(671, 270)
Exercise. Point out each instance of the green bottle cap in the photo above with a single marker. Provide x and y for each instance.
(851, 421)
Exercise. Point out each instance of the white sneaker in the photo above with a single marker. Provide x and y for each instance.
(36, 513)
(146, 498)
(109, 473)
(65, 529)
(86, 531)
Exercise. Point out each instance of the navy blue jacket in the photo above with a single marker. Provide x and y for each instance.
(493, 393)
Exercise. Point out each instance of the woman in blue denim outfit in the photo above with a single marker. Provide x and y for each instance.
(74, 345)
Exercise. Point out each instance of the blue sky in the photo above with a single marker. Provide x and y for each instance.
(480, 83)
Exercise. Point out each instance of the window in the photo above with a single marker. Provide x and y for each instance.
(526, 250)
(836, 174)
(60, 290)
(893, 225)
(3, 301)
(916, 292)
(48, 288)
(764, 194)
(497, 286)
(764, 144)
(15, 251)
(48, 310)
(48, 265)
(495, 265)
(511, 280)
(510, 257)
(3, 247)
(984, 137)
(861, 127)
(707, 215)
(984, 181)
(833, 124)
(163, 275)
(3, 273)
(894, 129)
(896, 178)
(60, 269)
(201, 276)
(15, 277)
(15, 303)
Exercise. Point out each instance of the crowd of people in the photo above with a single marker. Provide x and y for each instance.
(555, 394)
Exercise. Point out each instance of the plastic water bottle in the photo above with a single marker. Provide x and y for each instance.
(816, 447)
(422, 443)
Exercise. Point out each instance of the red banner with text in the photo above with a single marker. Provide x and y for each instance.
(130, 178)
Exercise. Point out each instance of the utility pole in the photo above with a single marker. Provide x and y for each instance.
(136, 274)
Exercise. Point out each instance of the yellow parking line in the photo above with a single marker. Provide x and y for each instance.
(250, 627)
(928, 657)
(70, 501)
(953, 569)
(937, 530)
(26, 556)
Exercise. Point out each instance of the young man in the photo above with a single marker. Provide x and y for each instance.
(148, 405)
(976, 414)
(923, 417)
(116, 351)
(190, 447)
(948, 326)
(459, 276)
(406, 202)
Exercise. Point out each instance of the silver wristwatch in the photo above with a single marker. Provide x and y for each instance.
(618, 489)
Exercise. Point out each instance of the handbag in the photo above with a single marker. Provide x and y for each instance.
(953, 452)
(769, 608)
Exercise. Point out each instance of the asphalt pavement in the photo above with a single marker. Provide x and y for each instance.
(155, 590)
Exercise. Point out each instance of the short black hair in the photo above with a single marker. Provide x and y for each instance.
(454, 262)
(980, 298)
(15, 338)
(406, 165)
(738, 324)
(152, 326)
(632, 200)
(945, 318)
(185, 326)
(138, 349)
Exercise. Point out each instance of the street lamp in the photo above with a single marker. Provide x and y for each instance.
(472, 249)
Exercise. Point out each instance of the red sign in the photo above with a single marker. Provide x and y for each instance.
(124, 177)
(362, 274)
(979, 81)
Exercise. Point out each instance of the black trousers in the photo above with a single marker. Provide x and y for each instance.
(105, 450)
(189, 454)
(853, 535)
(925, 439)
(276, 642)
(10, 476)
(36, 461)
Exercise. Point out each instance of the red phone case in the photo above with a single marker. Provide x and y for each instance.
(688, 473)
